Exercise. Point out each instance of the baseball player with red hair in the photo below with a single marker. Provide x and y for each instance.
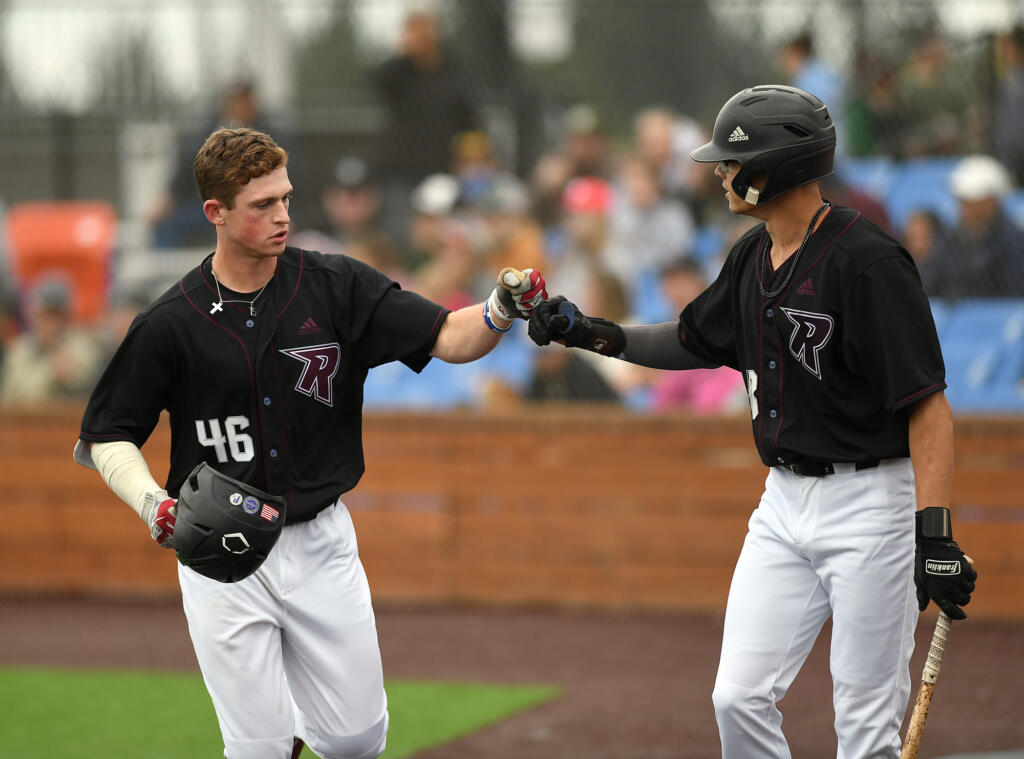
(259, 355)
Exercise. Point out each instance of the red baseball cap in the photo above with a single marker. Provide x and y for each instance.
(587, 195)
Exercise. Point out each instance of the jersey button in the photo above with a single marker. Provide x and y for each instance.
(266, 400)
(273, 453)
(771, 364)
(770, 313)
(773, 413)
(250, 323)
(781, 460)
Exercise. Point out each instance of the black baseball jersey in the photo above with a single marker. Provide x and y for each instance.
(832, 362)
(275, 399)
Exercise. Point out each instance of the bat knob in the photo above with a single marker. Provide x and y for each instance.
(511, 278)
(567, 310)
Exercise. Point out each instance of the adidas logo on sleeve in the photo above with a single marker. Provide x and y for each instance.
(738, 135)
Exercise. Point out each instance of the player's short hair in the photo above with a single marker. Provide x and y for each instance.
(231, 158)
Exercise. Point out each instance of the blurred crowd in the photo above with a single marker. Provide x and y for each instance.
(628, 227)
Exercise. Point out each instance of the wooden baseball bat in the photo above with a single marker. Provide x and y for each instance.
(932, 665)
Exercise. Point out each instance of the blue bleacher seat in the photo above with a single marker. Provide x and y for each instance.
(649, 304)
(443, 386)
(983, 348)
(1013, 205)
(987, 320)
(940, 314)
(872, 175)
(921, 184)
(708, 242)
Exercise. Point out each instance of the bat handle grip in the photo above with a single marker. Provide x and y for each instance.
(937, 650)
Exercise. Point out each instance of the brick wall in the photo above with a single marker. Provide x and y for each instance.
(573, 507)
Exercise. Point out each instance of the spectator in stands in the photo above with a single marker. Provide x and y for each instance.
(376, 249)
(351, 207)
(664, 140)
(547, 183)
(843, 193)
(628, 381)
(873, 119)
(509, 233)
(938, 102)
(923, 234)
(585, 143)
(1005, 131)
(805, 70)
(52, 360)
(647, 228)
(586, 205)
(433, 203)
(125, 304)
(561, 375)
(475, 165)
(704, 391)
(983, 256)
(9, 318)
(175, 220)
(448, 276)
(427, 97)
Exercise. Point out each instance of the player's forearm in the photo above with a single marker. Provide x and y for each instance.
(465, 336)
(657, 346)
(125, 471)
(931, 450)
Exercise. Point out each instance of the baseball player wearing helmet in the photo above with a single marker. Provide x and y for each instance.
(824, 316)
(259, 355)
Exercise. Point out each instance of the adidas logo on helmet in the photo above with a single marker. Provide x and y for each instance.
(738, 135)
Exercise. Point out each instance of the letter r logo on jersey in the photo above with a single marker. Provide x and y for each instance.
(320, 364)
(810, 333)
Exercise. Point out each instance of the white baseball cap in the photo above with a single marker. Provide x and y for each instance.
(436, 195)
(979, 176)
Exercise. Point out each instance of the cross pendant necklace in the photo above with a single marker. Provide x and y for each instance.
(219, 304)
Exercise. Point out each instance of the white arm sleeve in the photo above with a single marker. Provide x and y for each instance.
(126, 473)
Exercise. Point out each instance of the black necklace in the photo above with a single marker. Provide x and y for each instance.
(765, 249)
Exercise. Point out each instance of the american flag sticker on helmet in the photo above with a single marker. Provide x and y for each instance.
(269, 513)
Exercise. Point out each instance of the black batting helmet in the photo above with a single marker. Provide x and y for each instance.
(776, 130)
(225, 529)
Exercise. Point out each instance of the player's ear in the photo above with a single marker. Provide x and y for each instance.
(214, 211)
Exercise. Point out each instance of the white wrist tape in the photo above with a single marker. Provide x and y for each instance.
(126, 473)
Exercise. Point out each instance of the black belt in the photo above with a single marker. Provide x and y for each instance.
(822, 468)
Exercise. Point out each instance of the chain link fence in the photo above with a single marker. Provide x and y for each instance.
(110, 100)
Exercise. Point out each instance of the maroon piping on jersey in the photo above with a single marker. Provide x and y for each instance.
(919, 394)
(248, 359)
(782, 379)
(277, 376)
(298, 279)
(824, 250)
(760, 336)
(284, 426)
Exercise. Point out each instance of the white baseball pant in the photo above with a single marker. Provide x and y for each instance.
(841, 545)
(292, 649)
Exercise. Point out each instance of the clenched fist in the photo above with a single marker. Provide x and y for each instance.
(161, 514)
(516, 294)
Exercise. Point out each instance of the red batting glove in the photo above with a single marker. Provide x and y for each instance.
(531, 292)
(162, 525)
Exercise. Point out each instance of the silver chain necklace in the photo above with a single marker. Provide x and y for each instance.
(219, 305)
(765, 266)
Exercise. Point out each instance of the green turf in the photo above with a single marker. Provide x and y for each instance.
(89, 714)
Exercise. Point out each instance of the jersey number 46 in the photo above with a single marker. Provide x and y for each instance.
(231, 441)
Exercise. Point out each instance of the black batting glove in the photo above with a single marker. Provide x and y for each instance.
(941, 571)
(559, 319)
